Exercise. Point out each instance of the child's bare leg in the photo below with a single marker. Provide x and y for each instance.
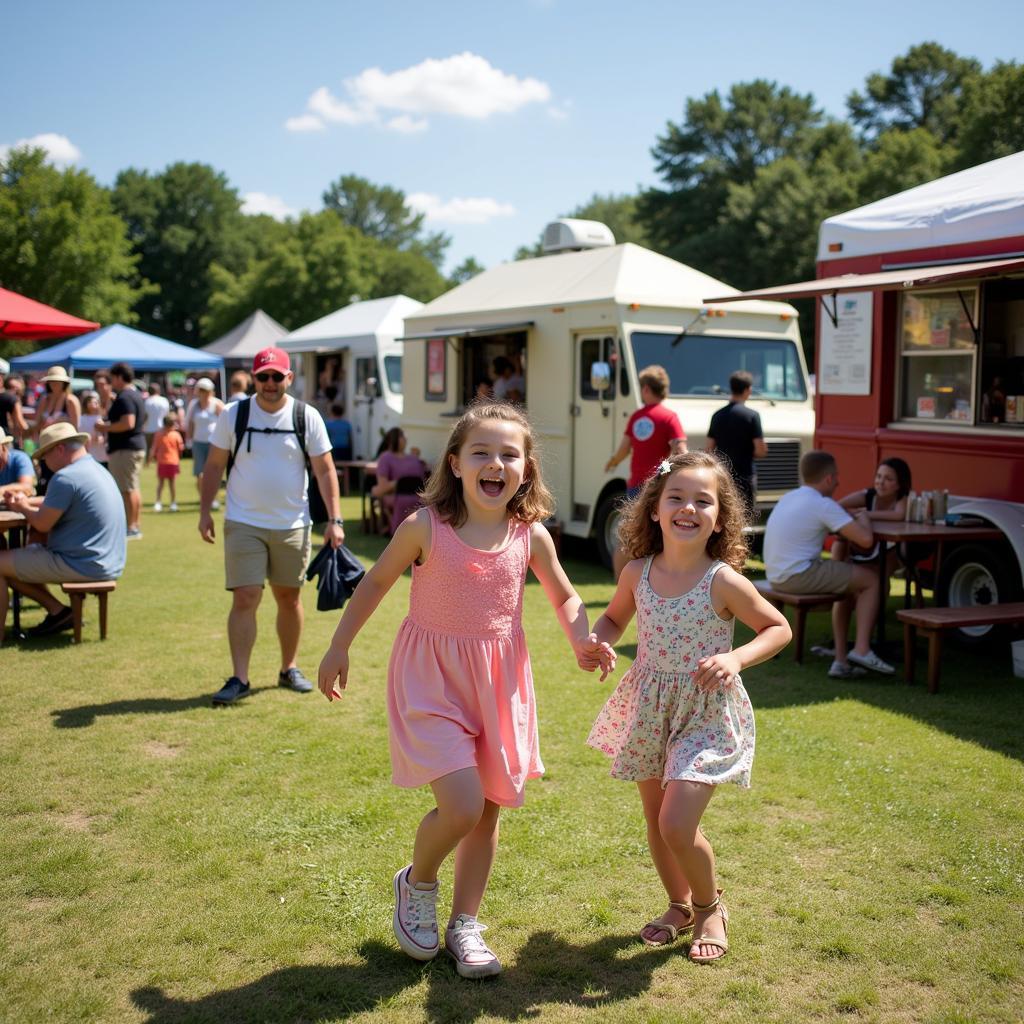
(665, 861)
(679, 823)
(173, 489)
(460, 805)
(159, 489)
(474, 857)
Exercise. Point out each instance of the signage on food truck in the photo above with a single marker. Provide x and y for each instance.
(845, 357)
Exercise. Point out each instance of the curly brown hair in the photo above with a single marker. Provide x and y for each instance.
(532, 503)
(640, 535)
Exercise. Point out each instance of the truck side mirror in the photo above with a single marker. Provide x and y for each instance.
(600, 377)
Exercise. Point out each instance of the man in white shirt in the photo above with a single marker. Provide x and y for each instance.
(793, 539)
(157, 407)
(266, 521)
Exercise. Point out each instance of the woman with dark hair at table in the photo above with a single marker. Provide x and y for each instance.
(397, 473)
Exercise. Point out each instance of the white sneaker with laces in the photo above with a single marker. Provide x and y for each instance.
(157, 507)
(473, 957)
(871, 661)
(174, 506)
(415, 918)
(844, 670)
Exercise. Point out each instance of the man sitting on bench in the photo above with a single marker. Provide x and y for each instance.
(83, 518)
(793, 538)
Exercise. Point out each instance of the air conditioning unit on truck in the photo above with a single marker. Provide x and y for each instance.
(921, 355)
(559, 317)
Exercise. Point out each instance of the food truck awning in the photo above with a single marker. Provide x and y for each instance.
(469, 332)
(885, 281)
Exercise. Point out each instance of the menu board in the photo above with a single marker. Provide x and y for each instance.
(844, 358)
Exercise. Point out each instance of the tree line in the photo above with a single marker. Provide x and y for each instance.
(745, 180)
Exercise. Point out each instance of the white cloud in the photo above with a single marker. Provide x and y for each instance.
(59, 148)
(468, 210)
(464, 85)
(304, 123)
(260, 202)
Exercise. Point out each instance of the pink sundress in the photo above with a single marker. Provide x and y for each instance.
(658, 724)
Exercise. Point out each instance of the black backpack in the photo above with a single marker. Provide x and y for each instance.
(317, 508)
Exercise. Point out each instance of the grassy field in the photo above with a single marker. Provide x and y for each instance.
(163, 861)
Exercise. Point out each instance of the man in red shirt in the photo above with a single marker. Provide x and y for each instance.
(652, 434)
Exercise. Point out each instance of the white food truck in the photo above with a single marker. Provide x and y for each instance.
(579, 325)
(354, 352)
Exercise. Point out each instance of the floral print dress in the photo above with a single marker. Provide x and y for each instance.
(658, 724)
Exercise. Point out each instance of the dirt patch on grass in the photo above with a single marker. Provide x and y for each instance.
(38, 904)
(161, 750)
(74, 821)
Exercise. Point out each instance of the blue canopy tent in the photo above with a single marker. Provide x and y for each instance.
(117, 343)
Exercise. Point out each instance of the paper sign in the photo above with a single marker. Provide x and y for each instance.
(845, 354)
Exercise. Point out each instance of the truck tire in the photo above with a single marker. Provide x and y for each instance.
(606, 524)
(977, 574)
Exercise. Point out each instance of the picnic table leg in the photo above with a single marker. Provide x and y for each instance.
(883, 578)
(909, 652)
(934, 659)
(102, 598)
(801, 622)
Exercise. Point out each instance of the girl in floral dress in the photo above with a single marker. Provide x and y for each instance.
(680, 722)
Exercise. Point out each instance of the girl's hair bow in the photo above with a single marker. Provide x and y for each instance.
(664, 467)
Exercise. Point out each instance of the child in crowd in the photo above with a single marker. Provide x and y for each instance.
(97, 443)
(680, 722)
(460, 690)
(168, 444)
(339, 430)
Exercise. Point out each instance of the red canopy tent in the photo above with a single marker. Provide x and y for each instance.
(27, 320)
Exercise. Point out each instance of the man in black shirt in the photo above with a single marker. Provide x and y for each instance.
(736, 433)
(126, 443)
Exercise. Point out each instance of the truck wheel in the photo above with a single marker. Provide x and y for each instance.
(977, 575)
(606, 525)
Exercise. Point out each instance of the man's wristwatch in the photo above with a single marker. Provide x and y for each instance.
(337, 520)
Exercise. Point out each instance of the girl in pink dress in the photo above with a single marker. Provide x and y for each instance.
(460, 690)
(680, 722)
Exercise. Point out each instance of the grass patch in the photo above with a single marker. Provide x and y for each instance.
(162, 861)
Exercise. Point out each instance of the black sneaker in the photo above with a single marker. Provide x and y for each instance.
(293, 679)
(54, 622)
(234, 689)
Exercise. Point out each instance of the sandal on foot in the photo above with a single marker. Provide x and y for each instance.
(722, 944)
(672, 931)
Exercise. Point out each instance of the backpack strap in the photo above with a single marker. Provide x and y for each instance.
(299, 425)
(241, 423)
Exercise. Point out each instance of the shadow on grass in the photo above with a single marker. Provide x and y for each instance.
(86, 714)
(548, 970)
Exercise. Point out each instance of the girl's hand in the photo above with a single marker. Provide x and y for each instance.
(717, 670)
(332, 676)
(592, 653)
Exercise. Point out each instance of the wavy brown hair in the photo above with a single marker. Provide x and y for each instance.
(640, 535)
(532, 503)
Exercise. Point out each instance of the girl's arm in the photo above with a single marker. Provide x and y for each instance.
(620, 611)
(568, 605)
(855, 500)
(410, 542)
(733, 592)
(896, 514)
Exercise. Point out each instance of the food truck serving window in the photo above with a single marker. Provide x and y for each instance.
(701, 364)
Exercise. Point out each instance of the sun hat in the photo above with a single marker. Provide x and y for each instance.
(5, 438)
(272, 359)
(205, 384)
(55, 434)
(56, 373)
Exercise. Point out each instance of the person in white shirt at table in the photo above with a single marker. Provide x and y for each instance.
(793, 539)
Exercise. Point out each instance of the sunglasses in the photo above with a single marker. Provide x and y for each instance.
(275, 377)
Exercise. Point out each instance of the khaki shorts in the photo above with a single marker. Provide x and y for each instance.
(254, 555)
(826, 576)
(38, 564)
(125, 467)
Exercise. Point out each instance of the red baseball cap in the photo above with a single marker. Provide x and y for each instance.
(272, 359)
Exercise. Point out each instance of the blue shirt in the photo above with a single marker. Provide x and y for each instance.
(340, 433)
(91, 533)
(18, 465)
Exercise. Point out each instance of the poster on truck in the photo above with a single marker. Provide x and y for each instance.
(845, 357)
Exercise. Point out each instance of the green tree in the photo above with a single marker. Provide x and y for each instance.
(993, 115)
(181, 221)
(380, 212)
(922, 90)
(62, 243)
(899, 160)
(465, 271)
(404, 272)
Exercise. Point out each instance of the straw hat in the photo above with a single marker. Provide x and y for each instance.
(56, 373)
(205, 384)
(55, 434)
(5, 438)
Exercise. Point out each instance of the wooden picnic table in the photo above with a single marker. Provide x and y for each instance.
(15, 525)
(365, 470)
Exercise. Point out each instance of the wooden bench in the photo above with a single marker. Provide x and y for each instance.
(801, 604)
(933, 622)
(77, 592)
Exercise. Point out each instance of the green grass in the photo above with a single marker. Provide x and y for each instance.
(162, 861)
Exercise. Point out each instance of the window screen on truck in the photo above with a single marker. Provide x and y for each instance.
(701, 364)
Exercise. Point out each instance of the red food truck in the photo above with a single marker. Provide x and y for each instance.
(920, 354)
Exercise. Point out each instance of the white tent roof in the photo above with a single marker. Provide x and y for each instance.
(255, 333)
(621, 273)
(361, 320)
(981, 203)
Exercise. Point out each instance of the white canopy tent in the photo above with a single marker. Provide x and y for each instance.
(255, 333)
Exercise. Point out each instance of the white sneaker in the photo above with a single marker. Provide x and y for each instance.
(844, 670)
(215, 504)
(157, 507)
(174, 506)
(415, 918)
(871, 661)
(473, 957)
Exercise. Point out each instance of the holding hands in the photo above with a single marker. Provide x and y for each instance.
(592, 653)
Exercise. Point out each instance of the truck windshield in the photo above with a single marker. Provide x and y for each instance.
(393, 368)
(701, 364)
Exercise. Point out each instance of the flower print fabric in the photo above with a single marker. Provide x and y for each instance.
(658, 724)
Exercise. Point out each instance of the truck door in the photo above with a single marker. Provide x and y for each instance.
(595, 436)
(365, 403)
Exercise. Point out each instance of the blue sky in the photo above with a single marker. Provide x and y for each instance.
(494, 117)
